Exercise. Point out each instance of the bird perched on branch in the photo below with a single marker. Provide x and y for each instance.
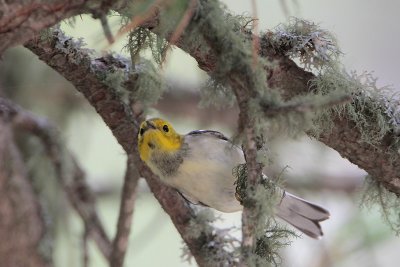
(199, 165)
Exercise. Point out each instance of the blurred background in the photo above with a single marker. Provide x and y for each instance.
(368, 34)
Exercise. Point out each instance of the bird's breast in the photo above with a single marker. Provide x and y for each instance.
(206, 175)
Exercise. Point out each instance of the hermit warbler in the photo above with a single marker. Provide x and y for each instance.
(199, 165)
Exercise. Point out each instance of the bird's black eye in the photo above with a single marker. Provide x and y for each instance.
(141, 131)
(165, 128)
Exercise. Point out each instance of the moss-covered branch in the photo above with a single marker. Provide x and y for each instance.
(346, 134)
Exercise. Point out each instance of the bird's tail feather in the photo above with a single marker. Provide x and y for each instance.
(302, 214)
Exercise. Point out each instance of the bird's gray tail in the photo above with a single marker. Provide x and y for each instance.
(302, 214)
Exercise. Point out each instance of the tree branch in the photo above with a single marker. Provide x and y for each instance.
(21, 20)
(305, 107)
(121, 239)
(89, 77)
(85, 248)
(246, 81)
(291, 80)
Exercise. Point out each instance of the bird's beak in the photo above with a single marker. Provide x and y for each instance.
(148, 125)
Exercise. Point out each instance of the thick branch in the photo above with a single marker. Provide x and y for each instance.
(87, 76)
(21, 20)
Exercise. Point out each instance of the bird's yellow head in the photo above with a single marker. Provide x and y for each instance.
(157, 136)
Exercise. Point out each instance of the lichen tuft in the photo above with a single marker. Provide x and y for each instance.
(306, 41)
(271, 236)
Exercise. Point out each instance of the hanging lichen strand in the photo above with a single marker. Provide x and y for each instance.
(272, 235)
(235, 68)
(388, 203)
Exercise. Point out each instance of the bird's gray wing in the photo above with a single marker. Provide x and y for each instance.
(209, 133)
(191, 199)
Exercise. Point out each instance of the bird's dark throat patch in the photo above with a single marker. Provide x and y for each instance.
(168, 162)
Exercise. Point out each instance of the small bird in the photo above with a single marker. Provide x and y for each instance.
(199, 166)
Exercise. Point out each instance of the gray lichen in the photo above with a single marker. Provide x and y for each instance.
(149, 84)
(213, 93)
(306, 41)
(220, 246)
(374, 110)
(271, 236)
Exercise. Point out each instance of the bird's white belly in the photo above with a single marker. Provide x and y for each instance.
(208, 181)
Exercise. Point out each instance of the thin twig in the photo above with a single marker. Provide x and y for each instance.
(23, 228)
(106, 29)
(285, 8)
(256, 38)
(120, 243)
(183, 23)
(140, 19)
(85, 249)
(306, 107)
(254, 172)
